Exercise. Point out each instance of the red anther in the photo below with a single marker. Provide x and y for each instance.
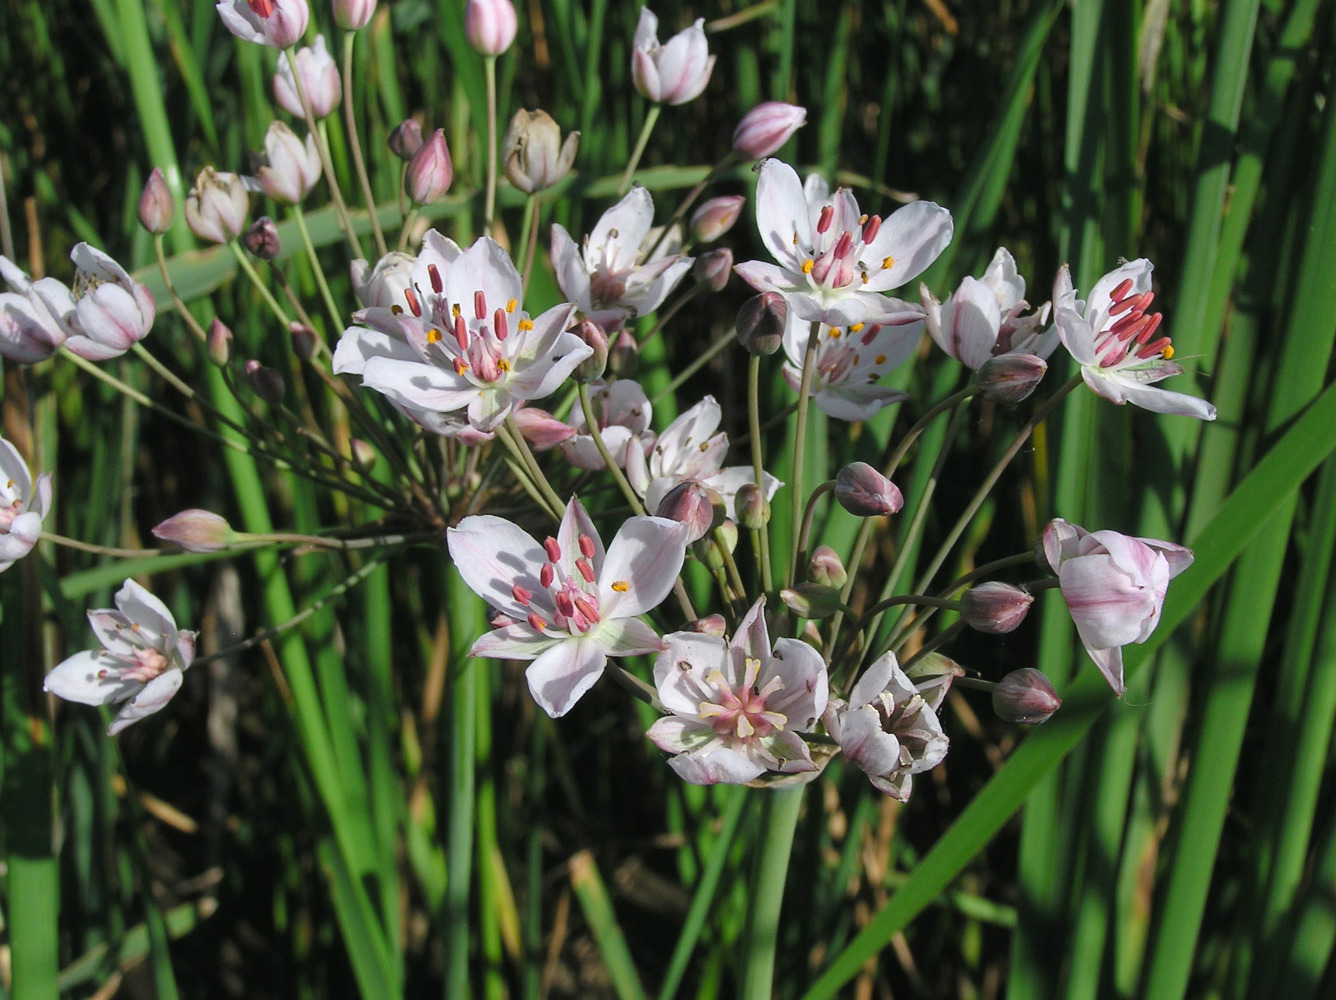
(823, 223)
(546, 575)
(1152, 324)
(479, 305)
(1154, 348)
(552, 549)
(587, 608)
(414, 306)
(263, 8)
(587, 546)
(586, 570)
(1131, 321)
(1121, 305)
(501, 324)
(536, 622)
(461, 366)
(870, 334)
(843, 245)
(521, 594)
(1144, 300)
(564, 604)
(1121, 289)
(461, 332)
(434, 273)
(871, 229)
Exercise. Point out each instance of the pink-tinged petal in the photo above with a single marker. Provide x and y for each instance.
(484, 267)
(1110, 663)
(843, 308)
(1139, 271)
(57, 299)
(647, 295)
(1062, 540)
(90, 349)
(1148, 397)
(645, 74)
(642, 563)
(111, 316)
(28, 333)
(679, 672)
(1110, 607)
(971, 321)
(15, 470)
(513, 642)
(866, 744)
(678, 444)
(727, 482)
(806, 688)
(647, 30)
(722, 765)
(419, 386)
(145, 610)
(673, 734)
(541, 379)
(751, 638)
(628, 637)
(493, 555)
(24, 532)
(914, 236)
(567, 261)
(765, 277)
(1076, 335)
(575, 522)
(874, 680)
(155, 695)
(782, 213)
(1179, 557)
(1064, 292)
(562, 674)
(854, 402)
(617, 237)
(358, 345)
(89, 679)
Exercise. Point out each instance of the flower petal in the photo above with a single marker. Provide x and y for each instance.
(493, 555)
(89, 679)
(643, 561)
(155, 695)
(562, 674)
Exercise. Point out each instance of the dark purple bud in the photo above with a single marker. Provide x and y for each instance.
(406, 139)
(1025, 696)
(995, 608)
(1009, 378)
(261, 239)
(694, 505)
(862, 490)
(826, 567)
(761, 322)
(305, 341)
(591, 368)
(712, 270)
(264, 382)
(766, 127)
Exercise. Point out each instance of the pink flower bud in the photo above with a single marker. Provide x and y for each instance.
(766, 127)
(761, 323)
(932, 676)
(752, 507)
(826, 567)
(715, 625)
(430, 170)
(319, 79)
(1009, 378)
(216, 206)
(291, 167)
(352, 15)
(541, 429)
(692, 504)
(157, 207)
(490, 25)
(220, 342)
(674, 73)
(995, 608)
(713, 269)
(862, 490)
(533, 153)
(275, 23)
(305, 341)
(591, 368)
(264, 382)
(716, 217)
(196, 531)
(363, 455)
(811, 600)
(406, 139)
(261, 239)
(1025, 696)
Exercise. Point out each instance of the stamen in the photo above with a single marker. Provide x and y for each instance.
(880, 359)
(461, 366)
(413, 303)
(588, 609)
(511, 305)
(434, 335)
(546, 575)
(479, 305)
(502, 325)
(1121, 305)
(856, 328)
(526, 325)
(396, 309)
(461, 333)
(872, 228)
(434, 273)
(1161, 345)
(587, 546)
(536, 621)
(552, 549)
(835, 333)
(586, 570)
(808, 264)
(887, 263)
(521, 594)
(621, 586)
(1122, 288)
(823, 223)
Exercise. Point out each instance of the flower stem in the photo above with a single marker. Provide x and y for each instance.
(244, 263)
(171, 290)
(808, 513)
(799, 446)
(355, 141)
(300, 218)
(489, 205)
(531, 214)
(685, 204)
(101, 550)
(651, 118)
(762, 537)
(591, 425)
(510, 436)
(780, 819)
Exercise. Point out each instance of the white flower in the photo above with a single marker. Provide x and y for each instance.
(23, 505)
(142, 660)
(738, 706)
(982, 318)
(28, 331)
(832, 260)
(623, 413)
(1112, 337)
(674, 73)
(571, 604)
(609, 281)
(275, 23)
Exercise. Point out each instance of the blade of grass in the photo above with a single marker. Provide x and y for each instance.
(608, 936)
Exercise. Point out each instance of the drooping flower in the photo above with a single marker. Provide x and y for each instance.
(141, 662)
(460, 341)
(983, 317)
(23, 505)
(1112, 337)
(691, 450)
(275, 23)
(738, 706)
(319, 77)
(623, 412)
(850, 360)
(28, 331)
(833, 261)
(534, 154)
(571, 603)
(887, 728)
(674, 73)
(290, 167)
(101, 317)
(766, 127)
(1114, 586)
(609, 279)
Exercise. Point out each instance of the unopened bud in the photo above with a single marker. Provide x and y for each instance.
(352, 15)
(219, 342)
(865, 492)
(264, 382)
(707, 548)
(196, 531)
(430, 170)
(319, 81)
(157, 207)
(305, 342)
(216, 206)
(715, 217)
(490, 25)
(592, 367)
(761, 323)
(826, 567)
(995, 608)
(541, 429)
(624, 356)
(694, 505)
(1009, 378)
(712, 270)
(752, 507)
(932, 675)
(766, 127)
(811, 600)
(1025, 696)
(261, 239)
(714, 625)
(533, 153)
(363, 455)
(406, 139)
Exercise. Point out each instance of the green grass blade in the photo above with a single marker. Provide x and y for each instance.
(593, 897)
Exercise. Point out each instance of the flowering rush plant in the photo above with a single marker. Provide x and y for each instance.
(664, 444)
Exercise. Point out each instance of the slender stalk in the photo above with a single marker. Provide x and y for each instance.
(800, 445)
(696, 365)
(808, 513)
(651, 118)
(761, 537)
(685, 204)
(531, 204)
(510, 436)
(101, 550)
(779, 822)
(177, 301)
(489, 204)
(244, 263)
(591, 425)
(355, 142)
(300, 218)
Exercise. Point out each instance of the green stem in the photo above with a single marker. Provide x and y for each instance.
(514, 440)
(808, 513)
(300, 218)
(531, 209)
(177, 301)
(779, 822)
(651, 117)
(355, 141)
(591, 425)
(489, 205)
(244, 263)
(761, 537)
(800, 445)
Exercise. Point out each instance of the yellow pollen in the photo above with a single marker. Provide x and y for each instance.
(454, 309)
(511, 305)
(856, 328)
(526, 324)
(795, 239)
(862, 219)
(503, 364)
(1168, 351)
(808, 265)
(621, 586)
(433, 335)
(134, 627)
(880, 359)
(887, 263)
(863, 276)
(835, 333)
